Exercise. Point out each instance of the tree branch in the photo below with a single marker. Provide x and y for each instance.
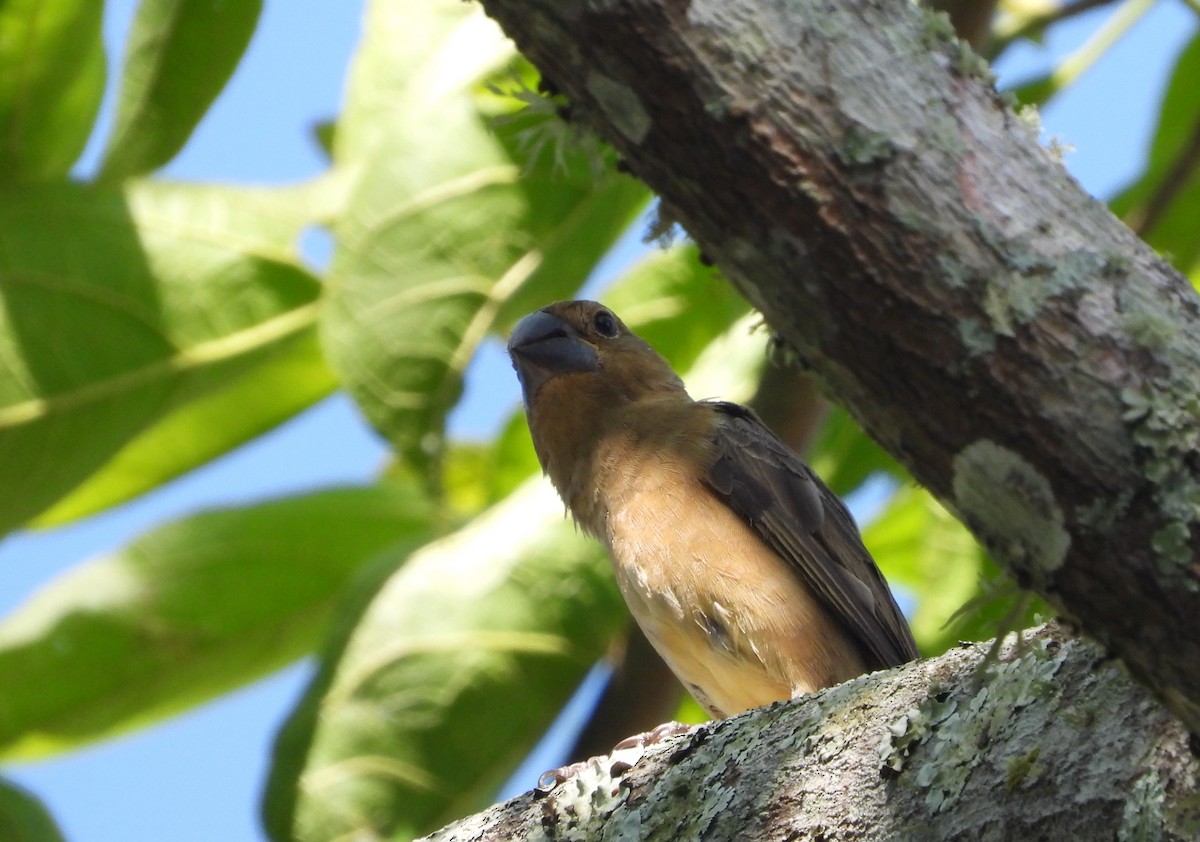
(921, 752)
(850, 167)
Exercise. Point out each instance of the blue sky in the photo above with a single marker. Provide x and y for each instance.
(199, 776)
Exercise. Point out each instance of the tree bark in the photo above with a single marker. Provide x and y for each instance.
(1050, 741)
(851, 169)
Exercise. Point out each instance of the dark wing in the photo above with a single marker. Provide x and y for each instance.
(757, 476)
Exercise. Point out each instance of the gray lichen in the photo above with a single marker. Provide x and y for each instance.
(936, 28)
(1023, 769)
(944, 133)
(1012, 507)
(1031, 118)
(911, 729)
(1165, 425)
(938, 742)
(1103, 513)
(956, 274)
(966, 62)
(1153, 331)
(976, 337)
(1142, 818)
(621, 105)
(592, 790)
(862, 146)
(1035, 281)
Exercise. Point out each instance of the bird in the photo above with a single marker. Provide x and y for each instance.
(744, 571)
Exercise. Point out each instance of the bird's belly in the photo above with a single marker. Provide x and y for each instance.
(732, 619)
(723, 681)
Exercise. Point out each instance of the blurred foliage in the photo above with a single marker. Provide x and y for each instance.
(139, 635)
(179, 55)
(451, 609)
(23, 818)
(51, 85)
(1161, 204)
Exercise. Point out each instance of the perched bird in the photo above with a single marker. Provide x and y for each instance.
(744, 571)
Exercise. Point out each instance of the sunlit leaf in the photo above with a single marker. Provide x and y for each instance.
(1036, 91)
(676, 303)
(291, 379)
(442, 227)
(186, 612)
(466, 471)
(166, 292)
(920, 546)
(179, 55)
(450, 674)
(512, 459)
(23, 818)
(574, 227)
(51, 82)
(844, 456)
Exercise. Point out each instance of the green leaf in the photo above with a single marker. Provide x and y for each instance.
(574, 227)
(844, 456)
(1072, 67)
(441, 229)
(322, 134)
(922, 547)
(676, 303)
(23, 818)
(1161, 205)
(186, 612)
(511, 460)
(166, 293)
(51, 82)
(179, 56)
(445, 677)
(291, 379)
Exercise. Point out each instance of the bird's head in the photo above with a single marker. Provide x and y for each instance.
(580, 351)
(585, 377)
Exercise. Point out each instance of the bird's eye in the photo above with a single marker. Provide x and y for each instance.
(606, 324)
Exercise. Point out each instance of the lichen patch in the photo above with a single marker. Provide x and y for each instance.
(621, 105)
(1011, 506)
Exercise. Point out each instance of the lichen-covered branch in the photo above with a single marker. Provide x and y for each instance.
(851, 169)
(1052, 741)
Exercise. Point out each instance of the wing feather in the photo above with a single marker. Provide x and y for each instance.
(757, 476)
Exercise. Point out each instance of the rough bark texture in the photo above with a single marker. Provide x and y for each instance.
(850, 168)
(1052, 741)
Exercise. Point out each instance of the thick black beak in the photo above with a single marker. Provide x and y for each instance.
(543, 346)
